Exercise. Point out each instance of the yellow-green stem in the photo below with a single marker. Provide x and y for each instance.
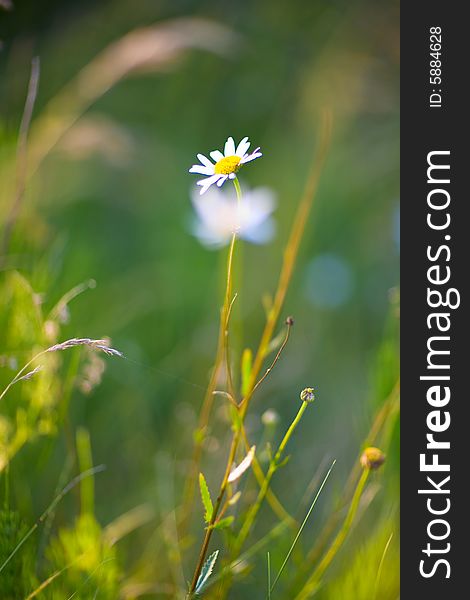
(271, 498)
(238, 189)
(389, 407)
(315, 578)
(273, 465)
(206, 409)
(209, 395)
(215, 513)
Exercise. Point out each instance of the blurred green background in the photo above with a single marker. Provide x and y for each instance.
(110, 201)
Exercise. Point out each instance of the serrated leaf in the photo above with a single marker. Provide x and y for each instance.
(206, 571)
(224, 523)
(206, 499)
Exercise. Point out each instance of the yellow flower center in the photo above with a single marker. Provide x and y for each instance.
(227, 165)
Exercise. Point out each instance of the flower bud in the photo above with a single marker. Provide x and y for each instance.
(307, 395)
(372, 458)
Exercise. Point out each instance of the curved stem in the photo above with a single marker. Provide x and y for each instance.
(238, 189)
(21, 372)
(271, 497)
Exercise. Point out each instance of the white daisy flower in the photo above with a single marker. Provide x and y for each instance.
(226, 164)
(220, 214)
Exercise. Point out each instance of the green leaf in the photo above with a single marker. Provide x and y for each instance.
(224, 523)
(206, 499)
(206, 571)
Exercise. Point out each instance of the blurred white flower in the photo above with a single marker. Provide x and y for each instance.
(220, 214)
(270, 418)
(226, 164)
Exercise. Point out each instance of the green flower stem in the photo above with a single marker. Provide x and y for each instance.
(222, 352)
(273, 466)
(389, 408)
(238, 189)
(315, 578)
(215, 513)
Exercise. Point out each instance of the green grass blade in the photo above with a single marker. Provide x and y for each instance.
(269, 576)
(379, 570)
(303, 525)
(52, 505)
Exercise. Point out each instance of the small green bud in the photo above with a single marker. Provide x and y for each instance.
(307, 395)
(372, 458)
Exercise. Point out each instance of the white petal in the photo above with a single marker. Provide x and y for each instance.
(204, 160)
(250, 157)
(243, 466)
(222, 180)
(256, 225)
(232, 176)
(216, 216)
(216, 155)
(206, 183)
(242, 147)
(202, 170)
(229, 149)
(208, 237)
(219, 214)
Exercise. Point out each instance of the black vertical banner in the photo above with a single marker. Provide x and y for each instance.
(435, 496)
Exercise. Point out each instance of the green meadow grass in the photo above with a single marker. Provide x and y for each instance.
(158, 434)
